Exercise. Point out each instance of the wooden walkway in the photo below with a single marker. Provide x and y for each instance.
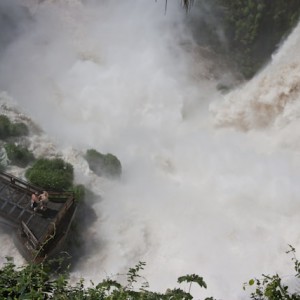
(15, 210)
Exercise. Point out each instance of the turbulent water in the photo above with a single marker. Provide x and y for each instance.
(210, 182)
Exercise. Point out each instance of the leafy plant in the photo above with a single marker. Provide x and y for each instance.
(42, 281)
(51, 174)
(271, 287)
(133, 274)
(193, 278)
(28, 282)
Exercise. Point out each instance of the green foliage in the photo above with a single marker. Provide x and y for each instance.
(190, 278)
(51, 174)
(8, 129)
(28, 282)
(79, 192)
(41, 282)
(18, 155)
(101, 164)
(271, 287)
(254, 29)
(178, 294)
(193, 278)
(133, 273)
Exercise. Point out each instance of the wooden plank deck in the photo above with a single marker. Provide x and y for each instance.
(15, 207)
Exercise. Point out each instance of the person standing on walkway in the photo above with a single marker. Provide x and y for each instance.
(34, 202)
(44, 198)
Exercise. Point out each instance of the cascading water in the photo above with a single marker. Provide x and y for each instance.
(210, 182)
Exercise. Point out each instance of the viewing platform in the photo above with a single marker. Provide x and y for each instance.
(39, 234)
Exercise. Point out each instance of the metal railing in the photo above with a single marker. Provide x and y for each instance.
(66, 197)
(55, 223)
(31, 237)
(20, 184)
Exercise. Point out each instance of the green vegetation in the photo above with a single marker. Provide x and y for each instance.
(38, 282)
(9, 129)
(79, 192)
(103, 164)
(254, 28)
(18, 155)
(51, 174)
(272, 287)
(51, 281)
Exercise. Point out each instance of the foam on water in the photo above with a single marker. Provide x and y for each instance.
(194, 197)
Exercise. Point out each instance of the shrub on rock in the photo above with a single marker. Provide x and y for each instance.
(51, 174)
(103, 164)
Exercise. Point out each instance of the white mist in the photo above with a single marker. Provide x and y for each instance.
(121, 77)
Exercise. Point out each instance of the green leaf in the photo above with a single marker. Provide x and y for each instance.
(251, 281)
(193, 278)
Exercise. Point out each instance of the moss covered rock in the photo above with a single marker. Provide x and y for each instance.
(103, 164)
(19, 155)
(9, 129)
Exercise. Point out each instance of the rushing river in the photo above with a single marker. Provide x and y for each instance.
(210, 181)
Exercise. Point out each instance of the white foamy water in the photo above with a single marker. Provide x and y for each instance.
(194, 197)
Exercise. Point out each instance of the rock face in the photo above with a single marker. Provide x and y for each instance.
(246, 33)
(255, 29)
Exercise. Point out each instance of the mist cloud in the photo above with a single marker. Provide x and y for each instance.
(126, 78)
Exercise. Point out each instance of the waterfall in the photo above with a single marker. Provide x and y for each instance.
(210, 181)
